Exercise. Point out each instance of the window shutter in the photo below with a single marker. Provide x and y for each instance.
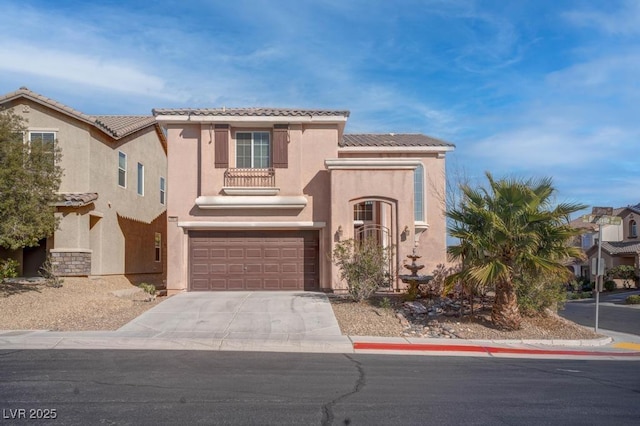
(281, 146)
(221, 146)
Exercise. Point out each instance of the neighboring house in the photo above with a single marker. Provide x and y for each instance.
(620, 243)
(264, 195)
(113, 192)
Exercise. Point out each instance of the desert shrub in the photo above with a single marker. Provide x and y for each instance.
(627, 273)
(385, 303)
(538, 292)
(609, 285)
(634, 299)
(363, 266)
(8, 269)
(47, 271)
(148, 288)
(580, 295)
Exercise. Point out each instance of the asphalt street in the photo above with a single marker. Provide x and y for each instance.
(614, 314)
(203, 387)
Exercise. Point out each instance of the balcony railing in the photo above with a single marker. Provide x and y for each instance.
(250, 178)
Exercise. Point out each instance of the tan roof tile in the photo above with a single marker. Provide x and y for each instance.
(391, 139)
(249, 112)
(116, 126)
(76, 199)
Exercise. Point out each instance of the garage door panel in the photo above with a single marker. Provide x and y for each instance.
(254, 260)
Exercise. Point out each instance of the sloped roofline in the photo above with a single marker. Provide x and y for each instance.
(105, 123)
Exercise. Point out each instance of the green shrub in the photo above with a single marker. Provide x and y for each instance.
(363, 266)
(148, 288)
(634, 299)
(581, 295)
(609, 285)
(537, 292)
(8, 269)
(385, 303)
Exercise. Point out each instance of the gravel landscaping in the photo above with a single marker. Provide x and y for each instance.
(108, 303)
(390, 316)
(80, 304)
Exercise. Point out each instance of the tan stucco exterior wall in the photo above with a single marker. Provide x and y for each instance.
(90, 164)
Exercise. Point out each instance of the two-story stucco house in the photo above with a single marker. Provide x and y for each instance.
(620, 242)
(261, 196)
(112, 206)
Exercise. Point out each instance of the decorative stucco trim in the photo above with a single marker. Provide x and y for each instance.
(249, 119)
(371, 163)
(70, 250)
(250, 191)
(396, 149)
(253, 225)
(251, 202)
(421, 226)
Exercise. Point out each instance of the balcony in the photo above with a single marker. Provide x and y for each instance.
(250, 182)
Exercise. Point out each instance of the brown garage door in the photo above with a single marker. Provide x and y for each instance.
(253, 260)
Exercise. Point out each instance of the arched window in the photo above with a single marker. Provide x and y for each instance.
(418, 194)
(633, 228)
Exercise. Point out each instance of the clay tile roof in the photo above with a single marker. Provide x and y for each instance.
(392, 139)
(76, 199)
(122, 125)
(24, 92)
(116, 126)
(621, 247)
(250, 112)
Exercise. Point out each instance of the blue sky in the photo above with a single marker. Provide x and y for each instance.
(523, 88)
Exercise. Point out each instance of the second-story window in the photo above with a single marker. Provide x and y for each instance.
(633, 229)
(140, 179)
(253, 150)
(46, 139)
(122, 169)
(163, 191)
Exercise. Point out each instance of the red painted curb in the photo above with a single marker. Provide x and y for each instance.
(484, 349)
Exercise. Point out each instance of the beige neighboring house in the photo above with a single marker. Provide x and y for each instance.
(113, 193)
(265, 194)
(620, 243)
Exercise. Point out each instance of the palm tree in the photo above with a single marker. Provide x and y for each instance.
(506, 231)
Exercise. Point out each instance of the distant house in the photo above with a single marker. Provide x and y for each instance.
(620, 243)
(112, 206)
(265, 194)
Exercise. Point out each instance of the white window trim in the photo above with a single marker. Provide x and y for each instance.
(421, 201)
(125, 169)
(253, 132)
(163, 191)
(140, 180)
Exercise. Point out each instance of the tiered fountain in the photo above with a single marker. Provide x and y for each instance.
(414, 280)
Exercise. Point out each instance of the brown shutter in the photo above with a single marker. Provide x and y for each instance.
(221, 146)
(281, 146)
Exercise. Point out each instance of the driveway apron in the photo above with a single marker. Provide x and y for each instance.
(260, 315)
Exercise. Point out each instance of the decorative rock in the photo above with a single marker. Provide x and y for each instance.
(415, 307)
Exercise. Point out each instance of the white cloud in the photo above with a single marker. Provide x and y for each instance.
(87, 70)
(623, 21)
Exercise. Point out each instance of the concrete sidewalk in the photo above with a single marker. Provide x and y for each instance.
(291, 322)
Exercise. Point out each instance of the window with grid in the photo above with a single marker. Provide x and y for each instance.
(46, 139)
(253, 150)
(122, 169)
(363, 211)
(163, 191)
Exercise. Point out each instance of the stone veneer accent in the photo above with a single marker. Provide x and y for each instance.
(71, 263)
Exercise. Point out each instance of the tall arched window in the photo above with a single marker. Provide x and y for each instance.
(418, 194)
(633, 228)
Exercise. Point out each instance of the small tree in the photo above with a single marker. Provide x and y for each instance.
(29, 178)
(626, 273)
(363, 265)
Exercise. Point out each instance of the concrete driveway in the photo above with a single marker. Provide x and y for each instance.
(241, 319)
